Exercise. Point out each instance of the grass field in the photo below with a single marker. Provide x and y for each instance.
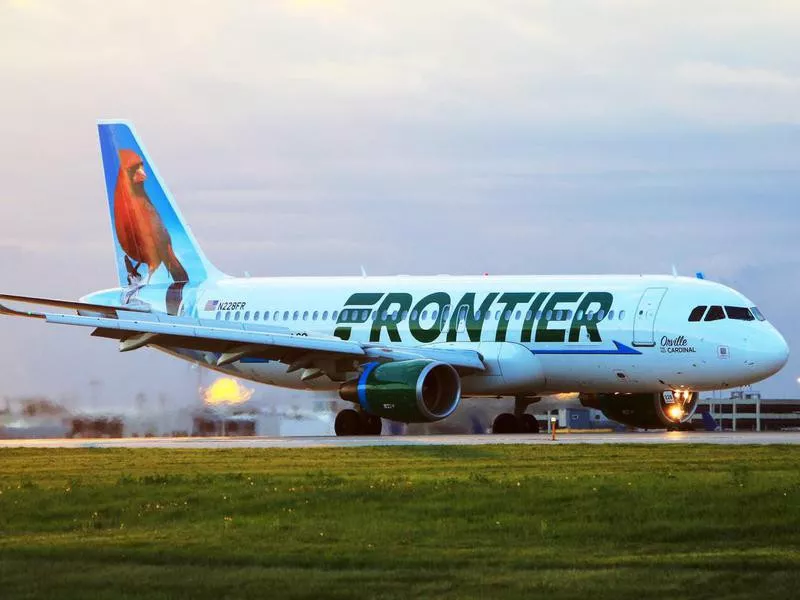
(403, 522)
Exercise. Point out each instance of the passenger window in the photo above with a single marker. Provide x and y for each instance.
(529, 315)
(579, 315)
(276, 316)
(256, 315)
(394, 316)
(539, 314)
(219, 315)
(228, 316)
(497, 315)
(374, 314)
(286, 315)
(247, 316)
(384, 316)
(445, 313)
(715, 313)
(404, 316)
(621, 315)
(549, 315)
(507, 315)
(315, 316)
(601, 314)
(697, 314)
(517, 316)
(237, 316)
(414, 315)
(324, 315)
(334, 315)
(569, 315)
(477, 315)
(424, 315)
(434, 314)
(295, 315)
(739, 313)
(589, 315)
(611, 315)
(305, 315)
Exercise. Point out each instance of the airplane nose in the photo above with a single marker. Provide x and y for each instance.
(775, 354)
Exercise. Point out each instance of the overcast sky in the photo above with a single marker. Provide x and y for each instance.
(310, 137)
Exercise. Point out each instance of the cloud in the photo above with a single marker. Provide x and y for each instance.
(705, 73)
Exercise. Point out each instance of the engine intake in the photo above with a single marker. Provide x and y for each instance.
(411, 391)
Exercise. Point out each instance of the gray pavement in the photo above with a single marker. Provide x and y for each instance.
(674, 437)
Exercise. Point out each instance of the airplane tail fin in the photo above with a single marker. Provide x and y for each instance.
(152, 242)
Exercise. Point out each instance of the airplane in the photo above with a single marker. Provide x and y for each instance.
(637, 347)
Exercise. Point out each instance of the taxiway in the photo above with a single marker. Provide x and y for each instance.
(674, 437)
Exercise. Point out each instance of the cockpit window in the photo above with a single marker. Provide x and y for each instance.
(758, 314)
(739, 313)
(697, 313)
(715, 313)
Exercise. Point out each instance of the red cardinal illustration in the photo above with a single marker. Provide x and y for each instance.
(140, 230)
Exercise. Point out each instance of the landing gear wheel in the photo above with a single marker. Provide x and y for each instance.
(528, 424)
(370, 424)
(505, 423)
(348, 422)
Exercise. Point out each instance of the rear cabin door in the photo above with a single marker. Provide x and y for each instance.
(644, 320)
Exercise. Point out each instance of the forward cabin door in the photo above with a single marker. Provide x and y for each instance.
(644, 320)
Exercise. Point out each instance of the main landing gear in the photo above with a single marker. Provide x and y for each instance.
(520, 421)
(352, 422)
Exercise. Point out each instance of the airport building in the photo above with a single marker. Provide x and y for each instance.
(748, 411)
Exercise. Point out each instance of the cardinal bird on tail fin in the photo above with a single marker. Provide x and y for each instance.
(140, 230)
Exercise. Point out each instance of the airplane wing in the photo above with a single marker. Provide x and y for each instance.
(231, 341)
(95, 308)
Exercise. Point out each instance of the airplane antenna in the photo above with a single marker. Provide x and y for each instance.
(363, 271)
(674, 271)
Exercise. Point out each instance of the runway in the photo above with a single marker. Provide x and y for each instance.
(672, 437)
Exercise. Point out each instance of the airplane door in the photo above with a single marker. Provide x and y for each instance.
(644, 320)
(462, 319)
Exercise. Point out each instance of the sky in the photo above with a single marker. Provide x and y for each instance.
(310, 137)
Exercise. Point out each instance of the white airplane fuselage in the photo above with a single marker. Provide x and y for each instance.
(537, 334)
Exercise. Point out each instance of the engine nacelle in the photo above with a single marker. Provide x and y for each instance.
(411, 391)
(647, 411)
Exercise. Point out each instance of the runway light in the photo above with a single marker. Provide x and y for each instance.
(675, 413)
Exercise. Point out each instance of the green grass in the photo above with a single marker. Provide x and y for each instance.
(403, 522)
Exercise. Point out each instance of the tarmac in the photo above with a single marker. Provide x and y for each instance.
(656, 437)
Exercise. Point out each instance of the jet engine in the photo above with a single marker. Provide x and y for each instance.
(411, 391)
(646, 411)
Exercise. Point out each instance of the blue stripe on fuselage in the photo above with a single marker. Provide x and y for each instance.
(620, 349)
